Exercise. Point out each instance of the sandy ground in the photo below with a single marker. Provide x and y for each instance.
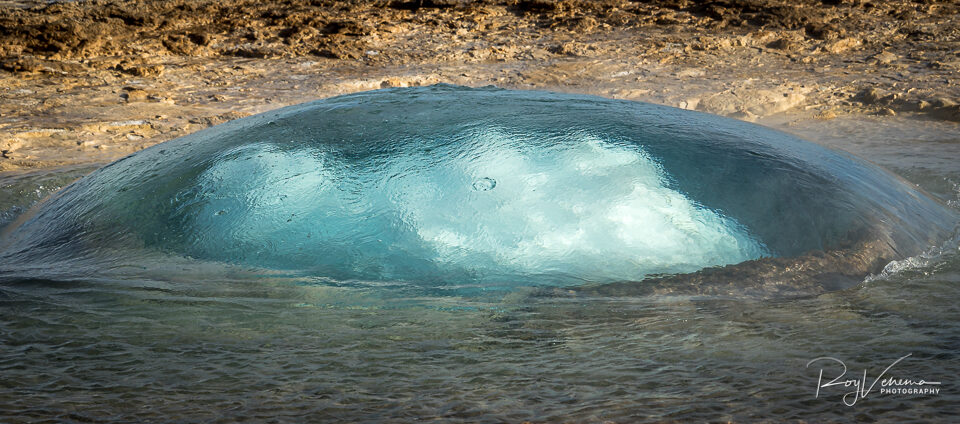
(91, 81)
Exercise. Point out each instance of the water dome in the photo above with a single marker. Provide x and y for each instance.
(474, 187)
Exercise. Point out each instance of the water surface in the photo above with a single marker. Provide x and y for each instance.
(202, 340)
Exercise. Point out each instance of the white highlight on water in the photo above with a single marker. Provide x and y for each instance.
(580, 208)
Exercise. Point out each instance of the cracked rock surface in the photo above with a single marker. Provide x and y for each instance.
(91, 81)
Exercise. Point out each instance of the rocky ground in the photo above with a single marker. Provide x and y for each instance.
(89, 81)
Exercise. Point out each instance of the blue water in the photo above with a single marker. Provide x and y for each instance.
(449, 186)
(366, 259)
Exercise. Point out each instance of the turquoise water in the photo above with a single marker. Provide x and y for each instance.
(451, 187)
(126, 298)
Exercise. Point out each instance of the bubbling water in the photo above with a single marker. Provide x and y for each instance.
(456, 186)
(481, 205)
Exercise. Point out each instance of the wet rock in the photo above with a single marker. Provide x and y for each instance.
(944, 108)
(140, 70)
(943, 102)
(885, 58)
(948, 113)
(207, 121)
(689, 104)
(410, 81)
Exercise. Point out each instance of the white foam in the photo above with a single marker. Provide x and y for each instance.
(493, 205)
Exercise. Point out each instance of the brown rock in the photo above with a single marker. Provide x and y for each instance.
(140, 70)
(132, 94)
(785, 44)
(842, 45)
(823, 31)
(569, 49)
(943, 102)
(24, 64)
(878, 96)
(885, 58)
(826, 115)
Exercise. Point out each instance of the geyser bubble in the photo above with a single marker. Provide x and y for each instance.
(484, 184)
(590, 190)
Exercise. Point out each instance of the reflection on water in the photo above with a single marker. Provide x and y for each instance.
(293, 350)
